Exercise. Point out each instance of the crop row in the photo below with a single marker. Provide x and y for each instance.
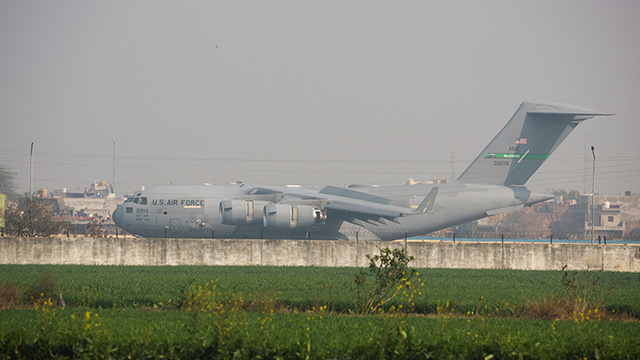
(500, 292)
(294, 312)
(109, 333)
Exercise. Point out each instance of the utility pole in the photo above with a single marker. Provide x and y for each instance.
(30, 202)
(593, 192)
(113, 181)
(31, 173)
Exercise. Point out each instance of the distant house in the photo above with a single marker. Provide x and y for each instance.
(607, 221)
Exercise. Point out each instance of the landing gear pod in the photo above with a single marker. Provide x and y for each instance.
(292, 216)
(241, 212)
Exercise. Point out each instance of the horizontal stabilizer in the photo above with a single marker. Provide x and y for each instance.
(426, 206)
(504, 210)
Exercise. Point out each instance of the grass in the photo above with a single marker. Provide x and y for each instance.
(240, 334)
(503, 292)
(296, 312)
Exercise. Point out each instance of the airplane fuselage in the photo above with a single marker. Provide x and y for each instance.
(194, 212)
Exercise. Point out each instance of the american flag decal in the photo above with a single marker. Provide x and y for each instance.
(521, 141)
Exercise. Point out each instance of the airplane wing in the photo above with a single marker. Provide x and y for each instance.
(343, 199)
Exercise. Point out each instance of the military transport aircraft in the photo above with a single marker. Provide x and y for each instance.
(492, 184)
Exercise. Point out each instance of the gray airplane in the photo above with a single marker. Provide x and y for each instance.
(492, 184)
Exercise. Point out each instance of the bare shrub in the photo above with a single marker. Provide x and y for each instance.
(95, 229)
(10, 295)
(584, 290)
(45, 287)
(552, 307)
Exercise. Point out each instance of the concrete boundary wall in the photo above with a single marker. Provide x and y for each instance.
(112, 251)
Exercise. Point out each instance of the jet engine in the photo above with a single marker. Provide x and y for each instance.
(292, 216)
(241, 212)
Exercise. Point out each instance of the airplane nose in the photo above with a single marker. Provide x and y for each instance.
(117, 216)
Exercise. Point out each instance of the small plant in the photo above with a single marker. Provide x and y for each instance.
(264, 301)
(445, 309)
(584, 290)
(387, 274)
(87, 297)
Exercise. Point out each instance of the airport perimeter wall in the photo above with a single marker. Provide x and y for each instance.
(137, 251)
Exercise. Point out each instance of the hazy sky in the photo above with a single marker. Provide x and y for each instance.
(296, 92)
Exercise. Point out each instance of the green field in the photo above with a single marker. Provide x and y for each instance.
(296, 312)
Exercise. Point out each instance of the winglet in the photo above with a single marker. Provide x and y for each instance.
(426, 206)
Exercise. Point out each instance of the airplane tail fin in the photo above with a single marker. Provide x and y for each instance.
(533, 133)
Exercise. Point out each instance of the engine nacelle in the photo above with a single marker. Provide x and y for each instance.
(292, 216)
(241, 212)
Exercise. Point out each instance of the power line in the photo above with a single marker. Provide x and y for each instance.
(227, 159)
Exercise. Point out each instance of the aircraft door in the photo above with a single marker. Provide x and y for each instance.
(294, 216)
(249, 212)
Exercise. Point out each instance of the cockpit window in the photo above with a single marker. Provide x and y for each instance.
(129, 200)
(143, 201)
(136, 200)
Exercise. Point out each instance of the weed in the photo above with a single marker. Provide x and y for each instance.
(211, 297)
(584, 291)
(264, 301)
(388, 273)
(87, 297)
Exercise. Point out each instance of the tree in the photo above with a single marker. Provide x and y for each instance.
(7, 183)
(560, 192)
(573, 194)
(32, 217)
(567, 195)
